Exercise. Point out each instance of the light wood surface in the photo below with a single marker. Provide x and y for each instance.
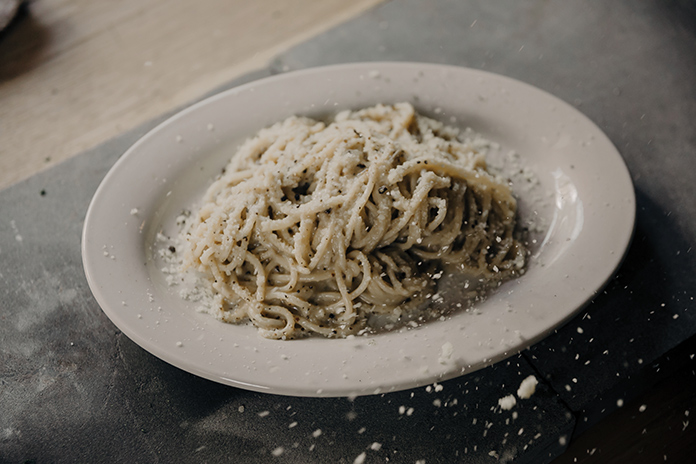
(74, 73)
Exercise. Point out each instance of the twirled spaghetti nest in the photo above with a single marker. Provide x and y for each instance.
(315, 227)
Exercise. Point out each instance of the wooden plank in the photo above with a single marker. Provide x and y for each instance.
(74, 73)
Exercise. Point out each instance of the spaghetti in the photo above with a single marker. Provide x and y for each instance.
(315, 227)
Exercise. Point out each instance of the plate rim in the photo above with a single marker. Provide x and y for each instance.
(165, 355)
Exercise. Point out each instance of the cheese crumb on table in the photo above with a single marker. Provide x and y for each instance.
(527, 387)
(360, 459)
(507, 402)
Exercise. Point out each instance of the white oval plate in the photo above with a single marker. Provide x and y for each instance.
(584, 202)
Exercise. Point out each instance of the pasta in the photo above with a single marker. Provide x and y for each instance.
(315, 227)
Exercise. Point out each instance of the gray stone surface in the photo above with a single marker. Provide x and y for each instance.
(74, 389)
(631, 67)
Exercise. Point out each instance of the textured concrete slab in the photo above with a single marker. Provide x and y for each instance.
(630, 66)
(73, 388)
